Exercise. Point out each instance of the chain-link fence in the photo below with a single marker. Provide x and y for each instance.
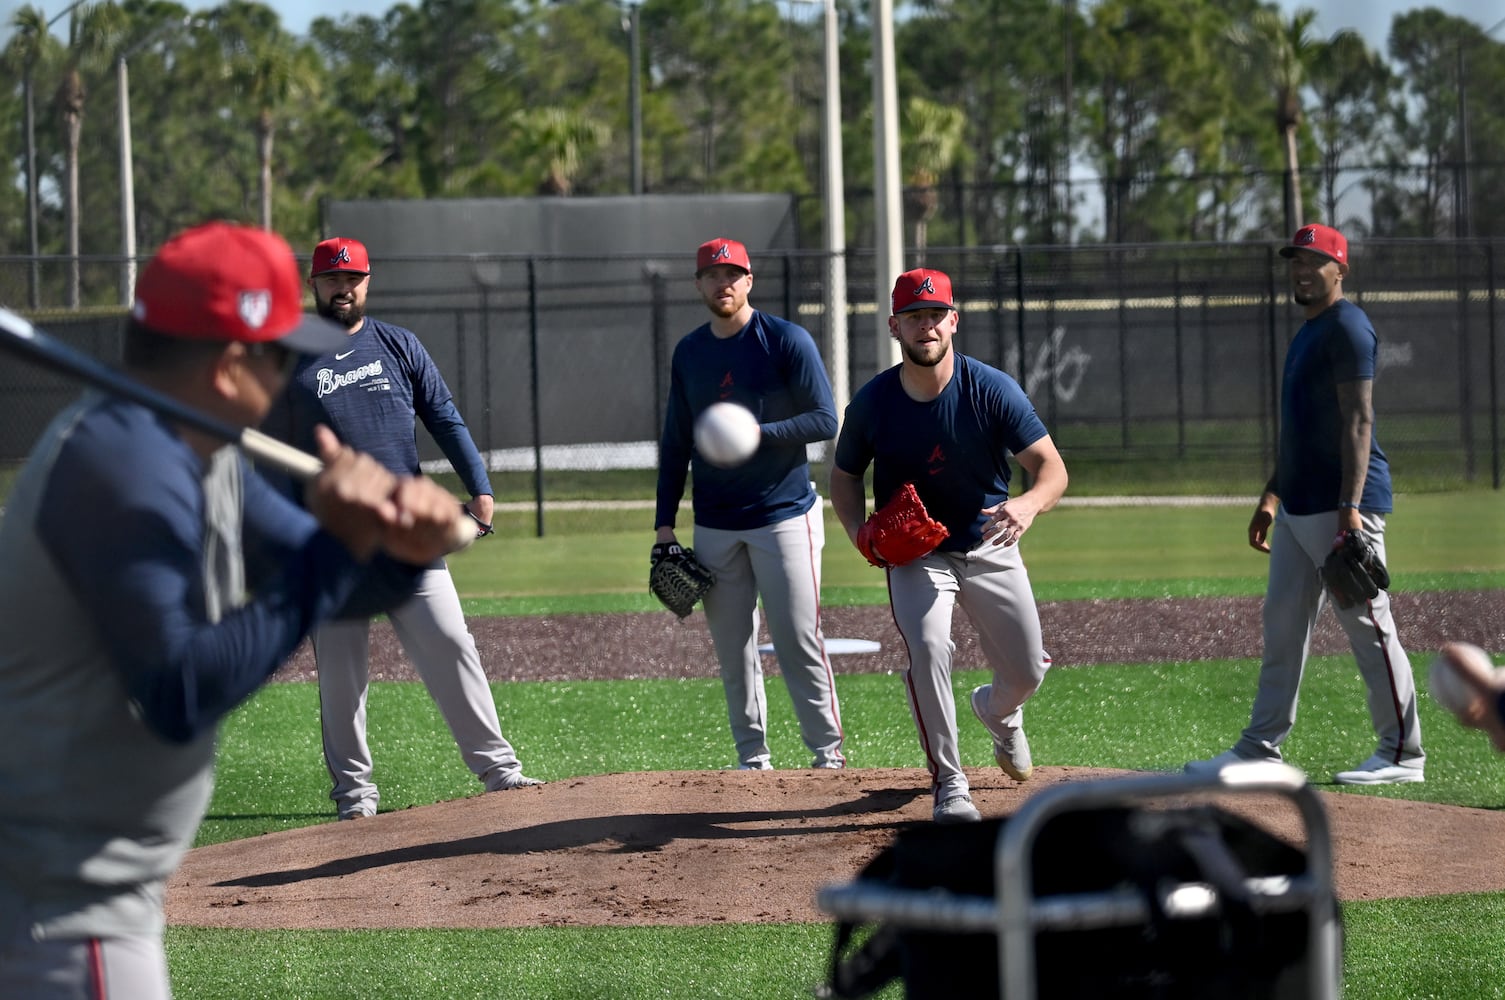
(1155, 367)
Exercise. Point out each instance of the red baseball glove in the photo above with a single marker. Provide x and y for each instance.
(900, 531)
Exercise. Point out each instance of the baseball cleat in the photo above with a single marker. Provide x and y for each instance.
(510, 780)
(1012, 754)
(1215, 764)
(1010, 747)
(956, 809)
(756, 765)
(1378, 770)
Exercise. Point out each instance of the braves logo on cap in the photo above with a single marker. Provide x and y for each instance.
(926, 287)
(723, 252)
(1306, 237)
(343, 257)
(254, 307)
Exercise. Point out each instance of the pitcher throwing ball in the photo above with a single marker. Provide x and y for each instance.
(946, 424)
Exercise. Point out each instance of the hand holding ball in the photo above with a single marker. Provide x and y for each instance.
(726, 435)
(1446, 679)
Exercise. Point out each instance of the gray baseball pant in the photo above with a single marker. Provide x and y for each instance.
(432, 630)
(113, 968)
(780, 561)
(1294, 596)
(992, 586)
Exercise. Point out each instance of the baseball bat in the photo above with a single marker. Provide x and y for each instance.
(19, 336)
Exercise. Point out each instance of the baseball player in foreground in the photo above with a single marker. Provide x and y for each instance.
(759, 526)
(946, 423)
(150, 581)
(1330, 478)
(372, 390)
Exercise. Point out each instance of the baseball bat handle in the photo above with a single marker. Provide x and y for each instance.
(303, 467)
(19, 336)
(269, 451)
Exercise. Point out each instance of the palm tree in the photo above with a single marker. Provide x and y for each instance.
(932, 136)
(1284, 51)
(31, 45)
(269, 70)
(93, 31)
(560, 137)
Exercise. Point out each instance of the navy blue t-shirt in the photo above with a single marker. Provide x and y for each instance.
(370, 392)
(1338, 345)
(954, 448)
(772, 367)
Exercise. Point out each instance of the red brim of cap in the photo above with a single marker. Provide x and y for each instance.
(314, 335)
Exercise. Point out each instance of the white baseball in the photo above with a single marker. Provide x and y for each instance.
(726, 434)
(1447, 685)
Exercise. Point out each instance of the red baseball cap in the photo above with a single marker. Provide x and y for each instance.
(922, 288)
(221, 281)
(1319, 239)
(340, 254)
(721, 251)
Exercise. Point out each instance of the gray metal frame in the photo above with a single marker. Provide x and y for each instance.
(1017, 914)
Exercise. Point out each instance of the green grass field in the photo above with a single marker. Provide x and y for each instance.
(1151, 717)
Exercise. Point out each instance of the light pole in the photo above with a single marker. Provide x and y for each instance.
(34, 279)
(127, 187)
(635, 91)
(34, 282)
(127, 169)
(1463, 225)
(832, 184)
(888, 217)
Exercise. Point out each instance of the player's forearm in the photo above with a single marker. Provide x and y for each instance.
(848, 500)
(1047, 474)
(804, 428)
(1354, 403)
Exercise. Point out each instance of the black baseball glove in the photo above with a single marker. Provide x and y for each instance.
(1353, 571)
(676, 577)
(482, 528)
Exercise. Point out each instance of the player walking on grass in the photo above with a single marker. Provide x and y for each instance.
(372, 391)
(1330, 477)
(759, 526)
(946, 423)
(127, 634)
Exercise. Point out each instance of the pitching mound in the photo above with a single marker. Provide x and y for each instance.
(677, 848)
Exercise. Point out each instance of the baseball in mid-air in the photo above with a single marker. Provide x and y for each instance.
(726, 434)
(1444, 680)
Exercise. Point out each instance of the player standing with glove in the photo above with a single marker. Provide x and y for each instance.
(759, 527)
(945, 424)
(1328, 497)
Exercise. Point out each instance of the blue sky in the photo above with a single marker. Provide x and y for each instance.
(1369, 17)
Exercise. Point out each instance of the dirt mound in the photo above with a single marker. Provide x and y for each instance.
(712, 847)
(678, 848)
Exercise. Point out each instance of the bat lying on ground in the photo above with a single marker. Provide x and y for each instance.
(19, 336)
